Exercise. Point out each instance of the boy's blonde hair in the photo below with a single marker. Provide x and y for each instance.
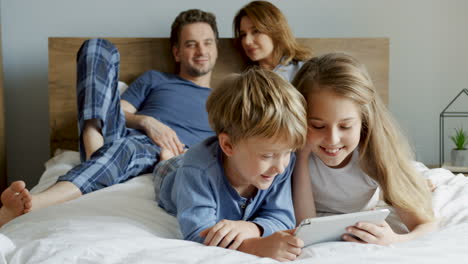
(259, 103)
(269, 20)
(385, 154)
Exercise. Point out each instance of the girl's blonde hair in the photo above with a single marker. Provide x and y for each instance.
(269, 20)
(259, 103)
(385, 154)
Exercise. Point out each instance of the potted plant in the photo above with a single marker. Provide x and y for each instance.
(459, 154)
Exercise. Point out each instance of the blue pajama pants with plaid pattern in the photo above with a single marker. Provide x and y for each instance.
(126, 152)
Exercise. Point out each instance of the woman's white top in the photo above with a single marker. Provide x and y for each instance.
(288, 72)
(342, 190)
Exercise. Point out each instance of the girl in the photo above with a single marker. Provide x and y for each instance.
(266, 39)
(354, 149)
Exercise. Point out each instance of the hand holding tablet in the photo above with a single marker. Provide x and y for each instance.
(331, 228)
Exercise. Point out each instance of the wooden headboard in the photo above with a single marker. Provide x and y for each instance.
(141, 54)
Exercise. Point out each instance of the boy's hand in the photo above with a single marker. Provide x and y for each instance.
(282, 246)
(229, 234)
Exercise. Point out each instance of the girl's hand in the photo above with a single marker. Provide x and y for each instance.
(364, 232)
(229, 234)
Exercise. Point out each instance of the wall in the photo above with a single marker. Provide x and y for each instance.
(428, 55)
(3, 178)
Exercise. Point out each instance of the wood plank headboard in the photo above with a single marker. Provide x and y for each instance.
(141, 54)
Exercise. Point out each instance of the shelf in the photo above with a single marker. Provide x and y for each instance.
(448, 166)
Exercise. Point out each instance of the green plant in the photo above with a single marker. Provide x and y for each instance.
(460, 139)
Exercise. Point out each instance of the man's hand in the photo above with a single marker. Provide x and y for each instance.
(229, 234)
(282, 246)
(162, 135)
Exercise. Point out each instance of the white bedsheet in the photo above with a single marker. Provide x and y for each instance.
(123, 224)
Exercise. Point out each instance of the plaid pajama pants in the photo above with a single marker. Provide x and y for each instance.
(126, 152)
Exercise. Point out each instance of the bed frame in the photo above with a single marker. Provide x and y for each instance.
(141, 54)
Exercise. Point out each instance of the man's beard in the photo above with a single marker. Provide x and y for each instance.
(195, 72)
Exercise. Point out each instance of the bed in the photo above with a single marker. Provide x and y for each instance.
(123, 224)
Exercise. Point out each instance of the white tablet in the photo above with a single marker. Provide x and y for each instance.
(331, 228)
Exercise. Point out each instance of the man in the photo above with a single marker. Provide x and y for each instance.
(121, 139)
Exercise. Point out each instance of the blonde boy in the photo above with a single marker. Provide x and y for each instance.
(234, 190)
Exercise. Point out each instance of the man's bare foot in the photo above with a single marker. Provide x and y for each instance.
(16, 201)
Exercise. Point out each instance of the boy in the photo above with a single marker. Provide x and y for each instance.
(234, 190)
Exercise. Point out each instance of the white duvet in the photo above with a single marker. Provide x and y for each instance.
(123, 224)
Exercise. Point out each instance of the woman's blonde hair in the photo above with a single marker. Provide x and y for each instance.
(259, 103)
(269, 20)
(385, 154)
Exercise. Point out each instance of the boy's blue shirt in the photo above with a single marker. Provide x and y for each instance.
(198, 193)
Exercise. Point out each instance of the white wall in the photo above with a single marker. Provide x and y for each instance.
(428, 54)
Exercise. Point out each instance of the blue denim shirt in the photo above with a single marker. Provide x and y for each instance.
(194, 188)
(288, 72)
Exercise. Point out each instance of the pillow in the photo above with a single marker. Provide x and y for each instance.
(122, 87)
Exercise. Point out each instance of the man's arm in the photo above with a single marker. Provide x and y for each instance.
(161, 134)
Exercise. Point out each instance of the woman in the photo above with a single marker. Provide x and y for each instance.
(267, 40)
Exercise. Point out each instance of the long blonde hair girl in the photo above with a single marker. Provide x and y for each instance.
(384, 153)
(269, 20)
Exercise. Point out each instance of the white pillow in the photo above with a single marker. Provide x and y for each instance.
(122, 87)
(61, 163)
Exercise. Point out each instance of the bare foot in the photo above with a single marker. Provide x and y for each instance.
(16, 201)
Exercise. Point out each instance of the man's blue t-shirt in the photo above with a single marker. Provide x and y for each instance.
(195, 189)
(176, 102)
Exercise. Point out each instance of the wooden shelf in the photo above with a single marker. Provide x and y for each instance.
(448, 166)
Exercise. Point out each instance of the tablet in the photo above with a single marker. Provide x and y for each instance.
(331, 228)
